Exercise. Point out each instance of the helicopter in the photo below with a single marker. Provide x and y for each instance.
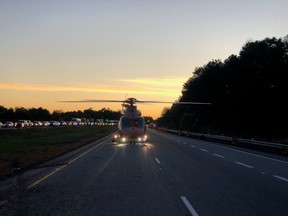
(132, 126)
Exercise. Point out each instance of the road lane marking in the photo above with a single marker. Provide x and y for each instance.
(157, 160)
(189, 206)
(245, 165)
(83, 154)
(217, 155)
(281, 178)
(63, 166)
(184, 143)
(203, 150)
(47, 176)
(260, 156)
(193, 146)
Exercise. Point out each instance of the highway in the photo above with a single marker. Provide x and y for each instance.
(170, 175)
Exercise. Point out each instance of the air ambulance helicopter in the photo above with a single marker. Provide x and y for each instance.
(131, 126)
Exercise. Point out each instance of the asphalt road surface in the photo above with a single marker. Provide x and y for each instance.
(170, 175)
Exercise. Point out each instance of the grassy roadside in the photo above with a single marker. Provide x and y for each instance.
(26, 147)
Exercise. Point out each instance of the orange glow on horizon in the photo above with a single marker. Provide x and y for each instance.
(47, 96)
(153, 110)
(98, 88)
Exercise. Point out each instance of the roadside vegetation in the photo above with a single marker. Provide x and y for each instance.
(22, 148)
(42, 114)
(248, 93)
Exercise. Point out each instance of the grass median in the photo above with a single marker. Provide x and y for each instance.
(23, 148)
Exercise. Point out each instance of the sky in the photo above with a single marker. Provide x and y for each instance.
(59, 50)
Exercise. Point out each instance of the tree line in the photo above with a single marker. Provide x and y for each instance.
(248, 93)
(41, 114)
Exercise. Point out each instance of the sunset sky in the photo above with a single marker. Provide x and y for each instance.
(106, 49)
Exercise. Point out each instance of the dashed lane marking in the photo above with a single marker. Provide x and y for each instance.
(157, 160)
(256, 155)
(281, 178)
(217, 155)
(189, 206)
(245, 165)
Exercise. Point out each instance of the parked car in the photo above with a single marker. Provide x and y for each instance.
(37, 124)
(9, 124)
(21, 124)
(63, 123)
(45, 123)
(54, 123)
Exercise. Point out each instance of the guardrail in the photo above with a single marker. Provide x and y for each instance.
(271, 147)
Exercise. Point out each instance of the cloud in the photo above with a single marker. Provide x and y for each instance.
(148, 87)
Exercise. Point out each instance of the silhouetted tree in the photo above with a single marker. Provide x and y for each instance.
(41, 114)
(247, 93)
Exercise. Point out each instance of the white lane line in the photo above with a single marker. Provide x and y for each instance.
(243, 164)
(203, 150)
(189, 206)
(193, 146)
(281, 178)
(260, 156)
(217, 155)
(157, 160)
(184, 143)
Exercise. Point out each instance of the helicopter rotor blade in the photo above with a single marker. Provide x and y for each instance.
(179, 102)
(94, 101)
(194, 103)
(133, 101)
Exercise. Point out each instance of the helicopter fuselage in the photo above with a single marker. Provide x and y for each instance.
(131, 127)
